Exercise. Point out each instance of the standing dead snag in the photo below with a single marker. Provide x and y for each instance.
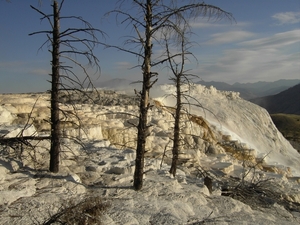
(176, 62)
(144, 101)
(145, 53)
(154, 18)
(55, 128)
(179, 73)
(65, 45)
(180, 78)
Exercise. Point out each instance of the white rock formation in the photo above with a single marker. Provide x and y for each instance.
(29, 194)
(243, 121)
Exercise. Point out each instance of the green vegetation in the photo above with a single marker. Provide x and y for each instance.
(289, 126)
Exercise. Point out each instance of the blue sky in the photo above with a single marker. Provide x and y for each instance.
(263, 44)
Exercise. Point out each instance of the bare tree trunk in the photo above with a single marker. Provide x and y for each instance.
(144, 103)
(66, 39)
(158, 17)
(55, 128)
(176, 137)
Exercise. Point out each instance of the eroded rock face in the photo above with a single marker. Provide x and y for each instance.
(18, 131)
(112, 116)
(102, 169)
(6, 117)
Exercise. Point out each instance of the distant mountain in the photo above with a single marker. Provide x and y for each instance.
(254, 90)
(247, 90)
(287, 101)
(263, 88)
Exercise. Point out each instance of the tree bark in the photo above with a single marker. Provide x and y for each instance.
(55, 125)
(144, 103)
(176, 137)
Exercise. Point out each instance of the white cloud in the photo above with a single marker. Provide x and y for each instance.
(244, 65)
(217, 24)
(23, 67)
(287, 17)
(206, 24)
(123, 65)
(229, 37)
(265, 59)
(275, 41)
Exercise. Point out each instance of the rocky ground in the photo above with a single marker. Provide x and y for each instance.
(243, 189)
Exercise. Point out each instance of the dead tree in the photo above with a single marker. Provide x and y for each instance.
(181, 77)
(154, 17)
(65, 44)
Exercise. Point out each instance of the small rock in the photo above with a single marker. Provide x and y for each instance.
(74, 178)
(91, 168)
(208, 183)
(224, 167)
(212, 150)
(15, 166)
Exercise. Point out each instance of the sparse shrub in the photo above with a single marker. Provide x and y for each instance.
(252, 188)
(89, 211)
